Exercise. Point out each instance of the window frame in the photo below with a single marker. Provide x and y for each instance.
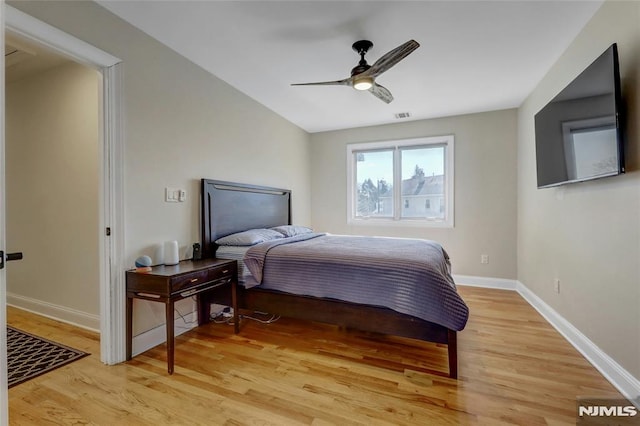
(447, 141)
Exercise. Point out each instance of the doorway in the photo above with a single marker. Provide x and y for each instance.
(111, 196)
(52, 183)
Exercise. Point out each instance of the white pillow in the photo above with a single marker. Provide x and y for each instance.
(249, 238)
(292, 230)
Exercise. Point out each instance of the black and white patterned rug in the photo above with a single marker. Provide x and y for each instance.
(29, 356)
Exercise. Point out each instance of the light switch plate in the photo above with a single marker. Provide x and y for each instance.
(171, 195)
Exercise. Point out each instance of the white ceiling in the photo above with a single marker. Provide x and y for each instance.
(474, 55)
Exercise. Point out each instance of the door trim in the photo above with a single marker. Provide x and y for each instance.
(112, 295)
(63, 43)
(4, 391)
(112, 285)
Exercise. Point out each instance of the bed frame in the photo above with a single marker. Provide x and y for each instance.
(229, 207)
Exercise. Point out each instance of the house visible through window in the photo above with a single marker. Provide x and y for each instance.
(404, 181)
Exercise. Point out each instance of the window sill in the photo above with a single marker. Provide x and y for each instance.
(415, 223)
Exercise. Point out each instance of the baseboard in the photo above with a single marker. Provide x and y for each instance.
(56, 312)
(626, 383)
(620, 378)
(151, 338)
(497, 283)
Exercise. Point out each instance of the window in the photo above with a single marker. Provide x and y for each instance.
(401, 182)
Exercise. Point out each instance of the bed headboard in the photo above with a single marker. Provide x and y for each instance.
(229, 207)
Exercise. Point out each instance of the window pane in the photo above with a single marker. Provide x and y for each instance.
(423, 182)
(374, 177)
(408, 180)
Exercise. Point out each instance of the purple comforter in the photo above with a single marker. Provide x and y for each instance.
(410, 276)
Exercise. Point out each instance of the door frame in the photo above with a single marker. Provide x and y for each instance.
(4, 405)
(111, 197)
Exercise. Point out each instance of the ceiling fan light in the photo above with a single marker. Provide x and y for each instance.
(363, 83)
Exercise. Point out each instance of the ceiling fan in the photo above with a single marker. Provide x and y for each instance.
(363, 75)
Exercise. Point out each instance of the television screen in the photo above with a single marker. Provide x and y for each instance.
(578, 133)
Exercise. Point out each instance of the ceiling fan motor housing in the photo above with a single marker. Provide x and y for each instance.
(359, 69)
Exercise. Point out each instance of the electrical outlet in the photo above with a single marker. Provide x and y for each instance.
(484, 259)
(556, 285)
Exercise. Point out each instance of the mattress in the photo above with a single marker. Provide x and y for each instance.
(236, 253)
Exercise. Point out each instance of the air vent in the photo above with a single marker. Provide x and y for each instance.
(401, 115)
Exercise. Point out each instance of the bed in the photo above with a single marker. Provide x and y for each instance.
(282, 277)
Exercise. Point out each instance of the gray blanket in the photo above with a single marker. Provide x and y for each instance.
(410, 276)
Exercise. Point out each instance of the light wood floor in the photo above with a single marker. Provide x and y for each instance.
(514, 369)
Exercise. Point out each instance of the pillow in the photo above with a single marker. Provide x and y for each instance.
(249, 238)
(292, 230)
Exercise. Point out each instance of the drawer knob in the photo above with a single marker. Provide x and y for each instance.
(225, 271)
(193, 280)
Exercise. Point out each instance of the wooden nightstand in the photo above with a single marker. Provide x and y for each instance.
(168, 284)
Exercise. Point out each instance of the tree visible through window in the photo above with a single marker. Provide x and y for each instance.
(375, 172)
(402, 180)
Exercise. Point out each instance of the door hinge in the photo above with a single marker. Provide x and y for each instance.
(108, 231)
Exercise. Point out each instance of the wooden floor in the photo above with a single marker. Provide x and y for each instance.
(514, 369)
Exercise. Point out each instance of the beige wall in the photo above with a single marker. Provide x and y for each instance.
(52, 187)
(181, 124)
(588, 234)
(485, 188)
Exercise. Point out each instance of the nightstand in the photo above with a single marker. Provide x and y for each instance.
(168, 284)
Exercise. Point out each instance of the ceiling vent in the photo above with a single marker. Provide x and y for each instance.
(401, 115)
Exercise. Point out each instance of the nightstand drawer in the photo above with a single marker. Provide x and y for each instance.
(198, 278)
(227, 271)
(207, 285)
(186, 281)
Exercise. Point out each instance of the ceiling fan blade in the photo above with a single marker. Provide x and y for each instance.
(381, 93)
(391, 58)
(345, 82)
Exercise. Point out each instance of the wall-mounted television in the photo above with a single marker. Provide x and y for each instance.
(579, 134)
